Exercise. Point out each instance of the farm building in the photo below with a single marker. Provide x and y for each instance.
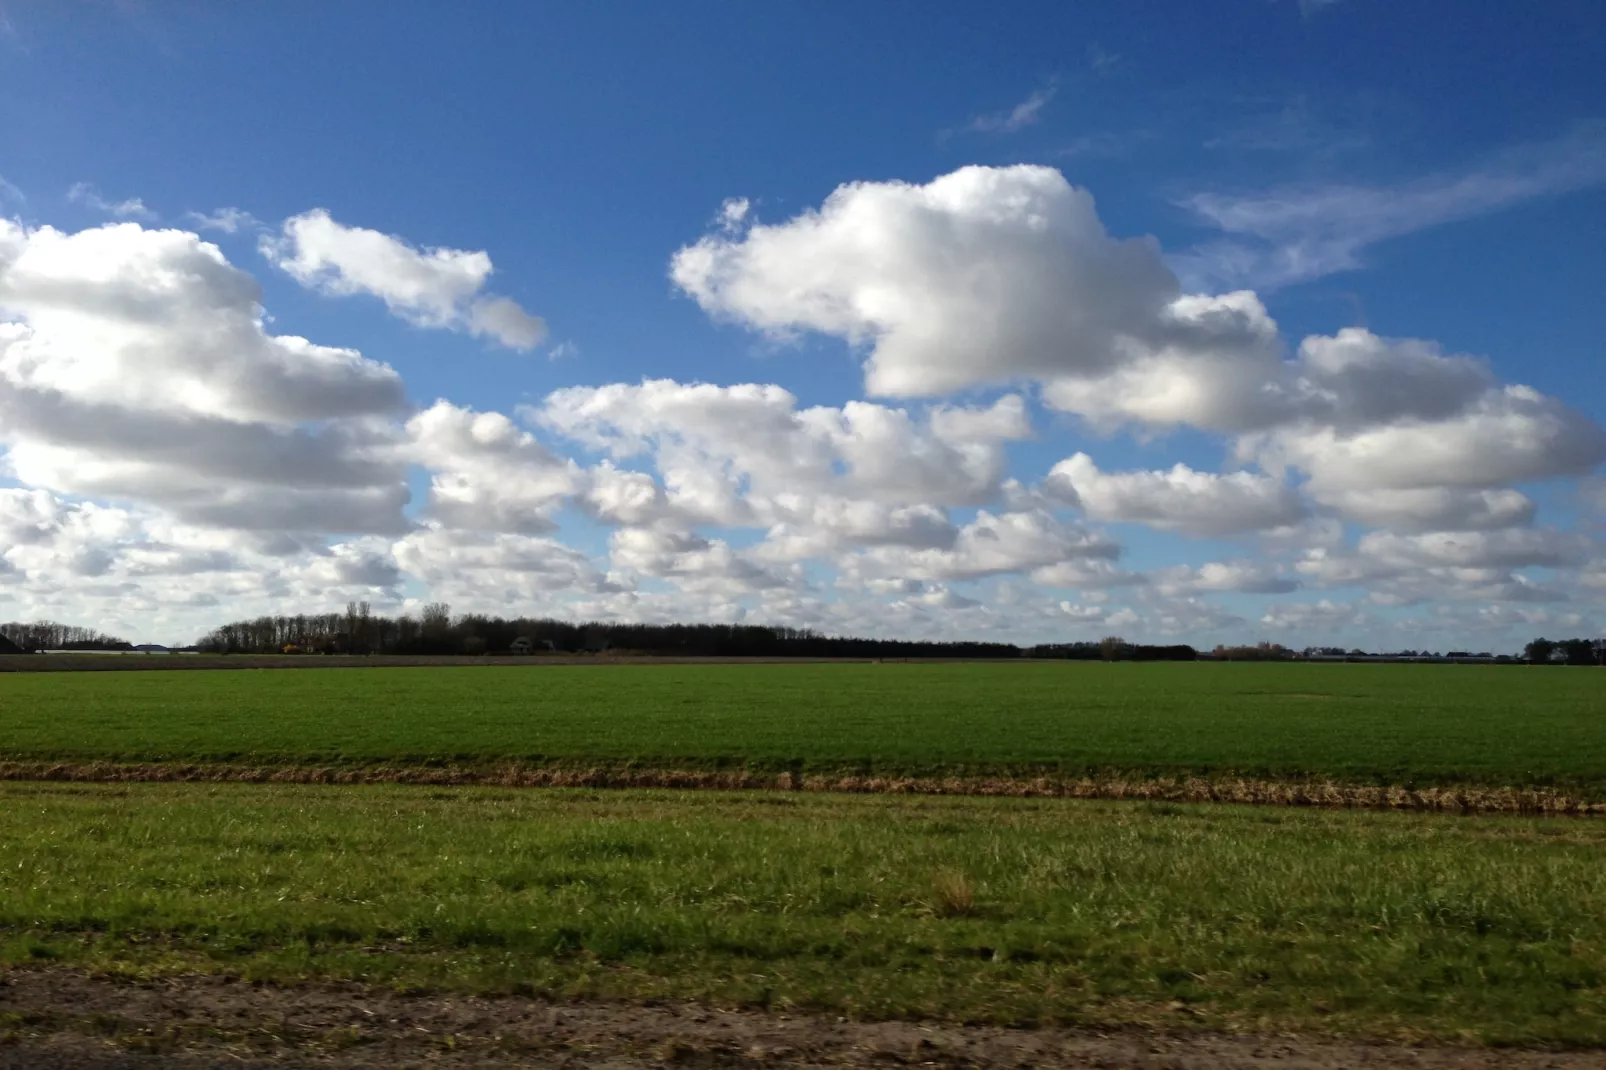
(8, 647)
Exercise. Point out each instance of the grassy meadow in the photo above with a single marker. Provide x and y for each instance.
(1407, 926)
(1376, 724)
(999, 910)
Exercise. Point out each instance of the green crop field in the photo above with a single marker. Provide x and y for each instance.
(1382, 724)
(1003, 910)
(1407, 926)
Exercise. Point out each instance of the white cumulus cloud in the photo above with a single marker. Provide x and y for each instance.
(1179, 499)
(180, 462)
(429, 287)
(981, 276)
(136, 366)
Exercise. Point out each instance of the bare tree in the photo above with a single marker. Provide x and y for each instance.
(437, 619)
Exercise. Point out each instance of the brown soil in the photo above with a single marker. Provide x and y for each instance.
(1323, 794)
(56, 1019)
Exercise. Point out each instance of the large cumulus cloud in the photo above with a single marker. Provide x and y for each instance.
(179, 461)
(135, 364)
(1005, 275)
(984, 275)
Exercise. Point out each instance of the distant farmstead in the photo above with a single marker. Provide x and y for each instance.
(8, 647)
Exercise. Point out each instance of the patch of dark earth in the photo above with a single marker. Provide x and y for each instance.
(62, 1020)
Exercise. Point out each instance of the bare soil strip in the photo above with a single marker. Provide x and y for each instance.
(58, 1019)
(1307, 793)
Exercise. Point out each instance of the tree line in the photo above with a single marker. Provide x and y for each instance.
(436, 631)
(1565, 652)
(1110, 648)
(48, 635)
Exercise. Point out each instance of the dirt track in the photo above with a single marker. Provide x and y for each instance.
(55, 1019)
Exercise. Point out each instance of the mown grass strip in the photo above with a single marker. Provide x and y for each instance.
(1002, 910)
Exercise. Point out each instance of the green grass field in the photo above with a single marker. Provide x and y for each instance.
(1001, 910)
(1408, 926)
(1392, 724)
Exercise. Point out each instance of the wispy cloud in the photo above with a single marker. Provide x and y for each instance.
(10, 193)
(1293, 126)
(1103, 145)
(88, 196)
(1102, 62)
(1010, 120)
(1295, 234)
(10, 35)
(228, 220)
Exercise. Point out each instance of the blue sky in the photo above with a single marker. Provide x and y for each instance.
(973, 245)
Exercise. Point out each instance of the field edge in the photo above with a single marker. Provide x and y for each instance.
(63, 1017)
(1293, 792)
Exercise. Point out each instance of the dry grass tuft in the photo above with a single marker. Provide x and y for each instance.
(954, 897)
